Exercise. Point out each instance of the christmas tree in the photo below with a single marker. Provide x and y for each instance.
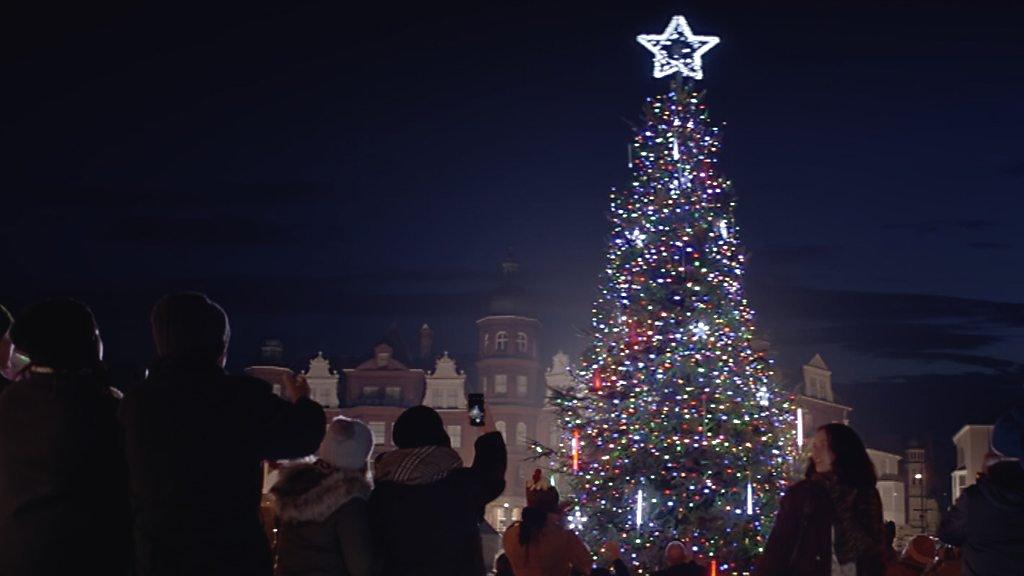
(674, 429)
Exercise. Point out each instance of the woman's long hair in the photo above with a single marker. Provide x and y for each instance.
(852, 465)
(541, 503)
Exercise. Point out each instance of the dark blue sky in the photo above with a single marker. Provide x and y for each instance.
(325, 171)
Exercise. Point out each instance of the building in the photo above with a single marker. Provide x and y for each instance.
(816, 401)
(922, 511)
(972, 444)
(891, 486)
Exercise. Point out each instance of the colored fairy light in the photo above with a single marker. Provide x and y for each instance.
(678, 49)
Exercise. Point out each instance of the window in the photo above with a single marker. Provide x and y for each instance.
(371, 391)
(455, 433)
(500, 427)
(517, 514)
(521, 342)
(383, 358)
(556, 436)
(499, 519)
(522, 385)
(377, 428)
(451, 398)
(501, 383)
(487, 340)
(501, 341)
(393, 393)
(521, 435)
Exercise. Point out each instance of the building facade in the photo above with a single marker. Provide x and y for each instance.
(972, 444)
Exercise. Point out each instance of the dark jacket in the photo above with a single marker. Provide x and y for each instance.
(801, 540)
(64, 505)
(433, 528)
(195, 437)
(324, 523)
(987, 521)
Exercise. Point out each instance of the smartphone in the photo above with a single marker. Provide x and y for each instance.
(476, 409)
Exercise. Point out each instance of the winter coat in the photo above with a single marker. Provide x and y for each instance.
(324, 527)
(554, 551)
(432, 527)
(801, 541)
(195, 438)
(987, 521)
(64, 505)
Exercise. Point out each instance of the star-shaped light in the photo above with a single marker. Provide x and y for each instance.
(677, 49)
(637, 237)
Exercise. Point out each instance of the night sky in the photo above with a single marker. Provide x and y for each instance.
(325, 172)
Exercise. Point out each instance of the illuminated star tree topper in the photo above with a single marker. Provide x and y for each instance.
(677, 49)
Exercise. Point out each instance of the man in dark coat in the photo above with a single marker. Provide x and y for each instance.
(426, 507)
(987, 520)
(64, 505)
(195, 437)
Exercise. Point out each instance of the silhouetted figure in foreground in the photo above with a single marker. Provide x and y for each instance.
(426, 507)
(679, 562)
(987, 520)
(63, 481)
(539, 545)
(195, 437)
(322, 507)
(830, 523)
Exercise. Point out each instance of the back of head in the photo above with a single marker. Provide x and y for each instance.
(59, 334)
(676, 553)
(420, 426)
(503, 566)
(541, 500)
(189, 326)
(347, 444)
(1008, 435)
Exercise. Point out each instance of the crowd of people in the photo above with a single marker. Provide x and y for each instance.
(166, 479)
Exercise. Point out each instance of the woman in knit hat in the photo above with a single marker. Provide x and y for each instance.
(324, 526)
(539, 545)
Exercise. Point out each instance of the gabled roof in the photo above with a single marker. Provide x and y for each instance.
(817, 362)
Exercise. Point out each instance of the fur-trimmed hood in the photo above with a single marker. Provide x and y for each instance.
(312, 492)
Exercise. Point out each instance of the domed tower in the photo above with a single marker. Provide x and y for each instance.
(512, 381)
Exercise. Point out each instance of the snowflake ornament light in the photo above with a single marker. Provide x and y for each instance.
(677, 49)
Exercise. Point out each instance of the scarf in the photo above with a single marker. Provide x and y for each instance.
(414, 466)
(312, 492)
(855, 512)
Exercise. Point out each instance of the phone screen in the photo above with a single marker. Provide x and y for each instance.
(476, 409)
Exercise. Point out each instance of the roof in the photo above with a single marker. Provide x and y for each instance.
(817, 362)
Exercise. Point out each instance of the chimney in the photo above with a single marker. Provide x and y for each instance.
(426, 343)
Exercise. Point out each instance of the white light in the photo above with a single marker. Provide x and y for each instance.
(723, 228)
(677, 49)
(762, 395)
(800, 428)
(639, 507)
(700, 330)
(675, 149)
(918, 476)
(576, 520)
(637, 237)
(750, 498)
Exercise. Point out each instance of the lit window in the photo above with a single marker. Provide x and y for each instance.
(393, 393)
(521, 435)
(487, 340)
(501, 341)
(522, 386)
(455, 433)
(501, 383)
(521, 342)
(500, 427)
(371, 391)
(378, 431)
(499, 519)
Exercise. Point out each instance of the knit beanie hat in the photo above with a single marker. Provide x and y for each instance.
(1008, 434)
(347, 444)
(420, 426)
